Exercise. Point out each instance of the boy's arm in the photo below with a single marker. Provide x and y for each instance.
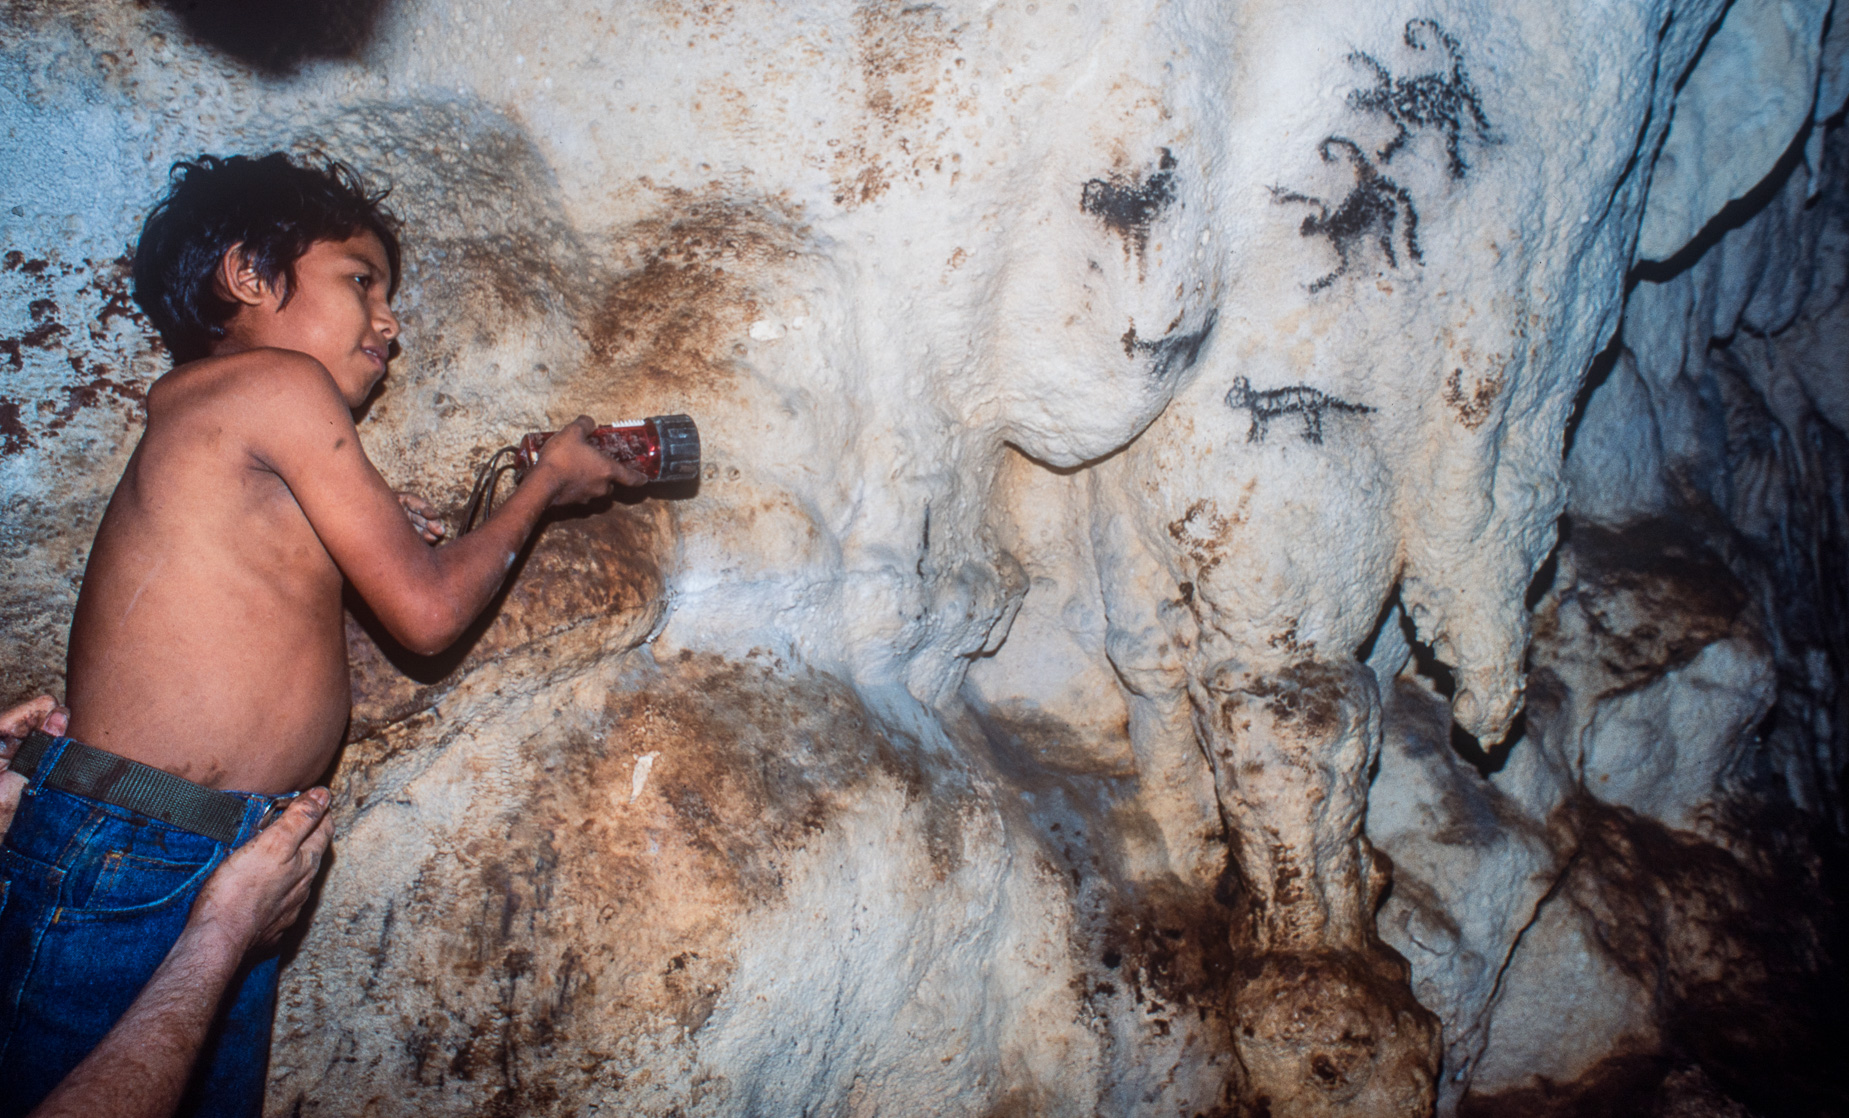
(424, 597)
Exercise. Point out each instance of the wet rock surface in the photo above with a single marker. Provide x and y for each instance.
(1250, 561)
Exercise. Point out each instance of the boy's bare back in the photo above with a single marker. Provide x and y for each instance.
(208, 639)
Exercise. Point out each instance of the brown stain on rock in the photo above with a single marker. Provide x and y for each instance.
(567, 920)
(1158, 953)
(1202, 534)
(674, 318)
(1474, 407)
(1654, 593)
(1058, 745)
(1171, 949)
(1322, 1032)
(1470, 811)
(900, 51)
(107, 288)
(1620, 1086)
(1307, 696)
(14, 436)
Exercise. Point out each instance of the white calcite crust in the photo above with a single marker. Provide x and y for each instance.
(1112, 412)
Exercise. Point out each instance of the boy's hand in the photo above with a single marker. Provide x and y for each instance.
(259, 891)
(423, 517)
(581, 471)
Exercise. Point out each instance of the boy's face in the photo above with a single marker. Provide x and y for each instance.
(338, 313)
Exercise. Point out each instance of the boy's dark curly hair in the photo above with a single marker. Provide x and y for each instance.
(272, 206)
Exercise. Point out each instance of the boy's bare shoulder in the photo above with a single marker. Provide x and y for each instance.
(258, 376)
(259, 395)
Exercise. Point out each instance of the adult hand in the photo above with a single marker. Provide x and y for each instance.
(140, 1068)
(258, 892)
(42, 713)
(581, 471)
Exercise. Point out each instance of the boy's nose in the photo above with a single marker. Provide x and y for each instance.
(387, 324)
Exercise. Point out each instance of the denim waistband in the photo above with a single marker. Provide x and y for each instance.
(243, 825)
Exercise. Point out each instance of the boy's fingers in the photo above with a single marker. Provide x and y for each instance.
(58, 721)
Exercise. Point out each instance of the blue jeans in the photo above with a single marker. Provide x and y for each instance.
(91, 898)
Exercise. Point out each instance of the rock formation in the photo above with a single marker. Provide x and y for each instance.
(1251, 559)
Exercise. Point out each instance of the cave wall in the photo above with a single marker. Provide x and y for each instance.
(1094, 671)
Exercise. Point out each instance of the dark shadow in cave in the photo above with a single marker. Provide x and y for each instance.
(276, 36)
(1597, 373)
(1732, 216)
(1425, 661)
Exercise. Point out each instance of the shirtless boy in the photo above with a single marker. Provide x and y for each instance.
(208, 641)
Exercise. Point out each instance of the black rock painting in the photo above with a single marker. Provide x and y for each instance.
(1442, 100)
(1127, 204)
(1172, 353)
(1296, 399)
(1373, 211)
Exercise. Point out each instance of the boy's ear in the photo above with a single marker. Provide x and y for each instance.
(237, 278)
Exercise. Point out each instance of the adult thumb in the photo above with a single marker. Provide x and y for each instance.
(299, 821)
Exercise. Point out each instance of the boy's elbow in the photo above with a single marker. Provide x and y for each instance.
(424, 644)
(429, 630)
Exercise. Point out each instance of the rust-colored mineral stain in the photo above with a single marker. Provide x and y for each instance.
(674, 318)
(14, 437)
(1307, 695)
(1474, 407)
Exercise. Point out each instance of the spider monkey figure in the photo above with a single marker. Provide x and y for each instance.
(1371, 210)
(1442, 100)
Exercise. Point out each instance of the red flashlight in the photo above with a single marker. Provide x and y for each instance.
(662, 447)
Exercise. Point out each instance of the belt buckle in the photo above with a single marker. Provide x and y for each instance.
(274, 812)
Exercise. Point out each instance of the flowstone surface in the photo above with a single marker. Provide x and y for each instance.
(1252, 559)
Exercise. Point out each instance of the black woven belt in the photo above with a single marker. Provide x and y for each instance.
(88, 771)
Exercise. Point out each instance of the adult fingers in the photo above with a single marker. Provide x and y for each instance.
(318, 840)
(21, 720)
(302, 819)
(291, 905)
(627, 475)
(288, 911)
(12, 786)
